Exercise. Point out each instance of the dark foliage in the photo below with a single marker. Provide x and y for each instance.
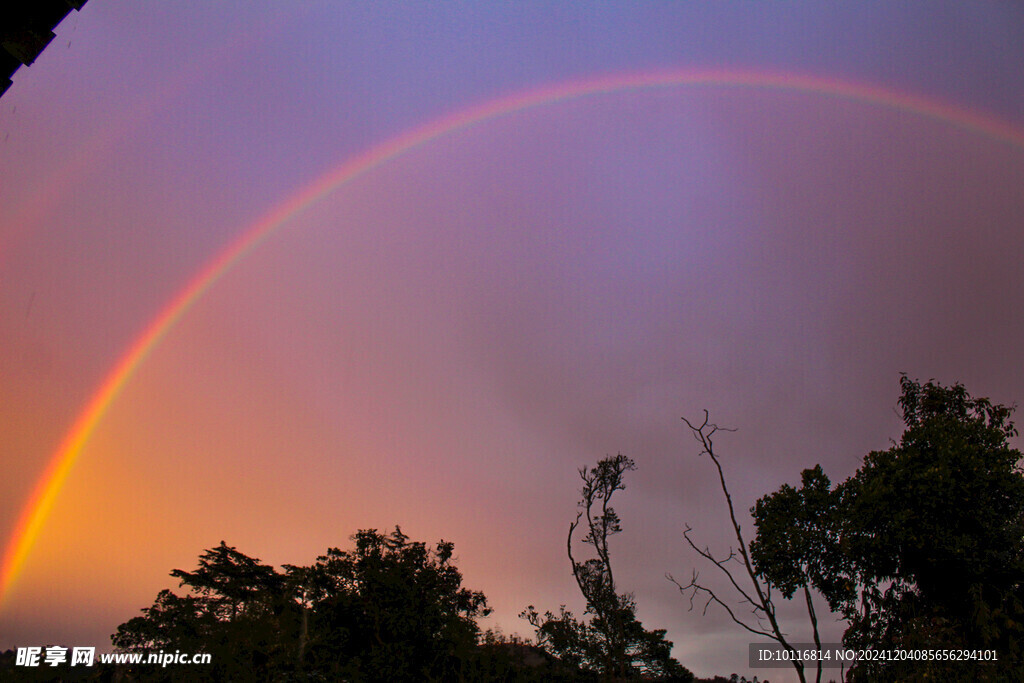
(236, 609)
(390, 609)
(923, 547)
(612, 644)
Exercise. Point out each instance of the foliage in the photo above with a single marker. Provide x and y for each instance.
(797, 539)
(392, 610)
(923, 547)
(612, 643)
(236, 609)
(389, 609)
(511, 658)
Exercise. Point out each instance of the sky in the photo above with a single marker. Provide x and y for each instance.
(304, 270)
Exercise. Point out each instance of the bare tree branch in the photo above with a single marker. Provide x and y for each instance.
(760, 599)
(814, 625)
(693, 588)
(706, 553)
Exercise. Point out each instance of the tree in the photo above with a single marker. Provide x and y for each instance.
(237, 609)
(392, 609)
(797, 541)
(758, 594)
(612, 643)
(935, 529)
(796, 547)
(923, 547)
(389, 609)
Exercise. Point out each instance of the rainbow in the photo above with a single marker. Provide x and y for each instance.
(38, 506)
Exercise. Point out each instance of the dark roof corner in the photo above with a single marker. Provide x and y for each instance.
(26, 28)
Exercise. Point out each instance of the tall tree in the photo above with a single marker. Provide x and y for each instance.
(935, 529)
(747, 586)
(923, 547)
(613, 642)
(796, 547)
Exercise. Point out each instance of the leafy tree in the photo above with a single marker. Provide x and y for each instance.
(392, 609)
(923, 547)
(237, 610)
(935, 529)
(797, 544)
(797, 538)
(612, 643)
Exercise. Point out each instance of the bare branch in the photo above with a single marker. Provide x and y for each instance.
(760, 600)
(693, 588)
(572, 560)
(814, 626)
(706, 554)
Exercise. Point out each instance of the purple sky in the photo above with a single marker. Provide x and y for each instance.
(441, 343)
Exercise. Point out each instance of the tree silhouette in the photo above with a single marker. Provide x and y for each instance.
(390, 609)
(612, 643)
(237, 609)
(796, 547)
(923, 547)
(935, 530)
